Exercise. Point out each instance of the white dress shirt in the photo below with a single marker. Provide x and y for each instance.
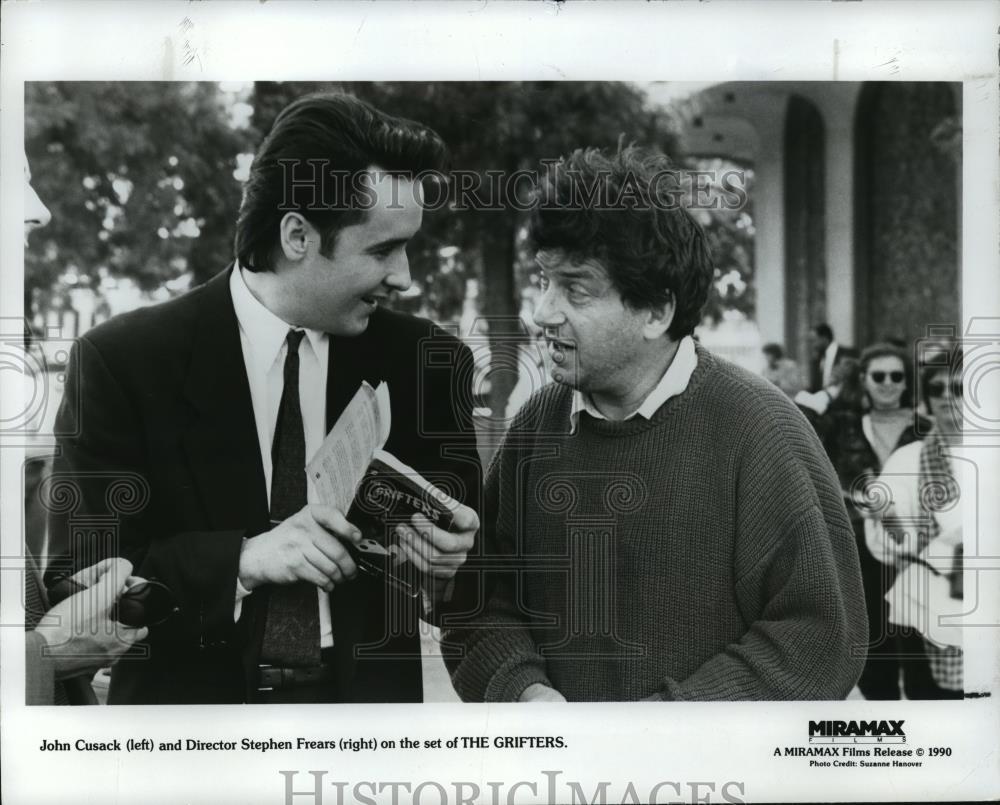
(829, 360)
(674, 381)
(262, 336)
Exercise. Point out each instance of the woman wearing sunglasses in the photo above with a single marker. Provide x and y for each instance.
(920, 538)
(859, 433)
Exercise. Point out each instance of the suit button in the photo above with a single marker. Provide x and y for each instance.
(213, 644)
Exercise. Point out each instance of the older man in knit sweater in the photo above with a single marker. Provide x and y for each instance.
(661, 524)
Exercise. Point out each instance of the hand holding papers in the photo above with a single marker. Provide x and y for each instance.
(308, 546)
(408, 526)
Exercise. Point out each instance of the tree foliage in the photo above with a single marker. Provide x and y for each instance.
(138, 177)
(730, 234)
(140, 180)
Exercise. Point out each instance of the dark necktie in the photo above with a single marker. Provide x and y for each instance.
(291, 630)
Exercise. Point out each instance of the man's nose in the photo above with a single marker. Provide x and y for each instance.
(399, 277)
(546, 312)
(36, 214)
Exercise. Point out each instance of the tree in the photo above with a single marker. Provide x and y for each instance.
(730, 234)
(138, 177)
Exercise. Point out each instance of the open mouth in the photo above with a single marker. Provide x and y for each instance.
(372, 300)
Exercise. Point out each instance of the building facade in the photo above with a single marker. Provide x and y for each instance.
(856, 199)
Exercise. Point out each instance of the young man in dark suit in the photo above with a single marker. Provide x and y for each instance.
(218, 398)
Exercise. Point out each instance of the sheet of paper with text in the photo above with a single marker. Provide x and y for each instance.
(340, 463)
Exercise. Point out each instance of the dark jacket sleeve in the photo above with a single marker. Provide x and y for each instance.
(102, 502)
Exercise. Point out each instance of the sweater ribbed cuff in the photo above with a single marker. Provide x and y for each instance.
(509, 683)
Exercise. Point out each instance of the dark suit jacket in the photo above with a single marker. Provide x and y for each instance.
(841, 430)
(159, 399)
(816, 368)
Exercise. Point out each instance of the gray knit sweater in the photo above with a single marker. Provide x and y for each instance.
(704, 554)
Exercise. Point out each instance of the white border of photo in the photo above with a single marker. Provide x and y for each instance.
(721, 751)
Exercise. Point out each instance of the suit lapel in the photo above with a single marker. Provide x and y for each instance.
(221, 443)
(351, 361)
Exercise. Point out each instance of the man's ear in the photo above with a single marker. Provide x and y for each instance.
(658, 319)
(294, 236)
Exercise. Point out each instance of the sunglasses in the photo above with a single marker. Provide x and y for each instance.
(935, 388)
(879, 377)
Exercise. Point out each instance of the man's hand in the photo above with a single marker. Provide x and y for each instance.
(537, 692)
(305, 547)
(437, 553)
(79, 632)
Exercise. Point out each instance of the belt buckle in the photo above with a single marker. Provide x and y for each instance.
(262, 669)
(271, 677)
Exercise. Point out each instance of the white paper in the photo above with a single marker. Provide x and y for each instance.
(340, 463)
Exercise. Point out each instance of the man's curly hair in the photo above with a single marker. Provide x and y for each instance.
(623, 209)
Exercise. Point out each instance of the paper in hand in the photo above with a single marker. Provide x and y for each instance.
(341, 461)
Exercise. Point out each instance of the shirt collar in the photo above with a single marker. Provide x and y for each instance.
(265, 332)
(674, 381)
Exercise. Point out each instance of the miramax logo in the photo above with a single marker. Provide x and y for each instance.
(886, 731)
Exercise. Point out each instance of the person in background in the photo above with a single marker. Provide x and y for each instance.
(781, 371)
(66, 643)
(919, 537)
(860, 431)
(846, 383)
(826, 352)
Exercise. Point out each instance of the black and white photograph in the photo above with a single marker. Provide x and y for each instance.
(497, 431)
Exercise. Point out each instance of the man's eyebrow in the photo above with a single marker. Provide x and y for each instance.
(571, 272)
(385, 244)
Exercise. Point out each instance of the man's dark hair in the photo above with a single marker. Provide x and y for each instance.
(884, 349)
(947, 357)
(824, 331)
(847, 374)
(773, 350)
(344, 136)
(632, 223)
